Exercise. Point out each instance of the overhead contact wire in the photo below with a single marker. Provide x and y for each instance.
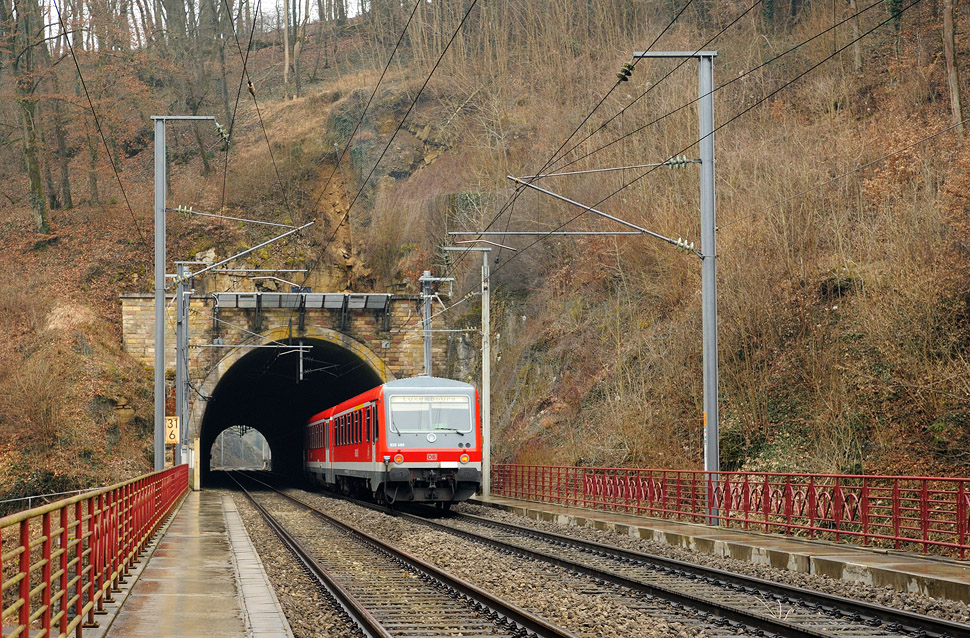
(552, 158)
(738, 78)
(350, 140)
(651, 88)
(716, 129)
(244, 74)
(396, 131)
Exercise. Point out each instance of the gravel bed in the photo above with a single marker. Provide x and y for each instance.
(306, 606)
(917, 603)
(544, 590)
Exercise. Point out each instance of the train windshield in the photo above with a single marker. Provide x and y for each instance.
(440, 414)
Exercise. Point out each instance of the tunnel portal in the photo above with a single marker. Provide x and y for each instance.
(263, 390)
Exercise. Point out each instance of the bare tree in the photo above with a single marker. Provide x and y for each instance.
(28, 35)
(952, 74)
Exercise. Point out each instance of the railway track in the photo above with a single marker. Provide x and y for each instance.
(385, 591)
(702, 599)
(698, 596)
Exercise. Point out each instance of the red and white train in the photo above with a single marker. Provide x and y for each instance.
(409, 440)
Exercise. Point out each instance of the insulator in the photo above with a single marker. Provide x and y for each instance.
(628, 67)
(622, 77)
(678, 161)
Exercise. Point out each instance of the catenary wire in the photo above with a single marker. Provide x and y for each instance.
(97, 123)
(738, 78)
(717, 128)
(682, 62)
(518, 190)
(363, 112)
(242, 76)
(390, 140)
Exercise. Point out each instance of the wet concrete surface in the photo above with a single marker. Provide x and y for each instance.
(202, 580)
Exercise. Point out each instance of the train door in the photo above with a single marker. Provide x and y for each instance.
(369, 427)
(328, 444)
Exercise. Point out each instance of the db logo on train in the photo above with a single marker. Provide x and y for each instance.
(432, 457)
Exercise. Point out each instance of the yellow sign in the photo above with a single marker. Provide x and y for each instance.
(171, 430)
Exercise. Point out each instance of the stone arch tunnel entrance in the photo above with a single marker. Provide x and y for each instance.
(263, 390)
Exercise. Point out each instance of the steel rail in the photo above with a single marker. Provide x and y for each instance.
(750, 619)
(522, 618)
(907, 622)
(369, 625)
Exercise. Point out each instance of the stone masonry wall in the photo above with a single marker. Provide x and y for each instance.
(400, 348)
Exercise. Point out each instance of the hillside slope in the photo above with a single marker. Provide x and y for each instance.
(842, 292)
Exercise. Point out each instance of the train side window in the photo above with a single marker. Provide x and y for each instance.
(374, 421)
(357, 426)
(343, 430)
(367, 424)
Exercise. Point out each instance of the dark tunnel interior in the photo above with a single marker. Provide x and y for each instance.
(263, 390)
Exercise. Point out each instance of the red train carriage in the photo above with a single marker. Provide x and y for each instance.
(413, 440)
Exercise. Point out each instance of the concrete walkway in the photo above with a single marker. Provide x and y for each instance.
(203, 579)
(938, 577)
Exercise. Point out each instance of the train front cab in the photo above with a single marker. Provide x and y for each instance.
(431, 441)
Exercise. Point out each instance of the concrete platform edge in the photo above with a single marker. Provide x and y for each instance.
(940, 578)
(255, 589)
(105, 622)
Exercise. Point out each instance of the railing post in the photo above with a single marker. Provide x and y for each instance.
(837, 509)
(92, 563)
(101, 560)
(924, 511)
(46, 574)
(24, 586)
(896, 512)
(747, 502)
(79, 565)
(962, 518)
(65, 543)
(766, 501)
(864, 510)
(812, 503)
(788, 505)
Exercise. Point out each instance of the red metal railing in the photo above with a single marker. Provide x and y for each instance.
(898, 512)
(59, 563)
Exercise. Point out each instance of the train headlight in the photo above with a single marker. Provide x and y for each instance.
(399, 458)
(463, 458)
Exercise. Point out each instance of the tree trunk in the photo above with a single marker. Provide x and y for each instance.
(298, 46)
(60, 136)
(286, 48)
(63, 158)
(324, 16)
(952, 74)
(29, 24)
(856, 45)
(93, 193)
(53, 200)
